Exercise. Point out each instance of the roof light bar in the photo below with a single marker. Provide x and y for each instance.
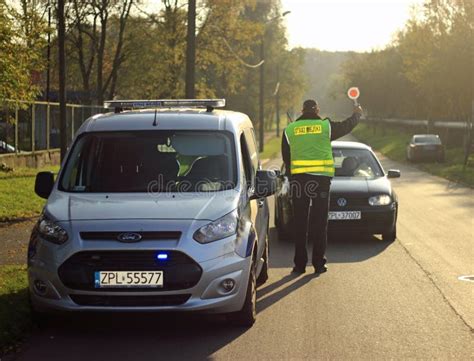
(165, 103)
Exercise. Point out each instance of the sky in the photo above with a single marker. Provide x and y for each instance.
(343, 25)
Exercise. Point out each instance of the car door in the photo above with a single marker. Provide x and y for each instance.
(258, 207)
(263, 214)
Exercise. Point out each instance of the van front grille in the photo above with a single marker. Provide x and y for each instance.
(179, 270)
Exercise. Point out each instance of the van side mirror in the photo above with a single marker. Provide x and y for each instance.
(265, 183)
(44, 184)
(393, 173)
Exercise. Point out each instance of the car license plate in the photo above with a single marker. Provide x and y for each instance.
(346, 215)
(104, 279)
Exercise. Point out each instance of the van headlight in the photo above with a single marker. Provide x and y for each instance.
(223, 227)
(380, 200)
(50, 231)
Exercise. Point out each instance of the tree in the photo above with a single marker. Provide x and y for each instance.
(21, 45)
(97, 34)
(427, 72)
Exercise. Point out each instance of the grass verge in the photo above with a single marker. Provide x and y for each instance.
(17, 195)
(392, 143)
(271, 148)
(15, 317)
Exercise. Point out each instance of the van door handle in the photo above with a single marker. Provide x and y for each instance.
(260, 202)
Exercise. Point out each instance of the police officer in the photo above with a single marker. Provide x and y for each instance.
(307, 154)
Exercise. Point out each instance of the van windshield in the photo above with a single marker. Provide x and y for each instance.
(156, 161)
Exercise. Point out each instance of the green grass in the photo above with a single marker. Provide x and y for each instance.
(392, 143)
(271, 148)
(15, 317)
(17, 196)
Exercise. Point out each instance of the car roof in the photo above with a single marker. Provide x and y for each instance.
(349, 145)
(167, 119)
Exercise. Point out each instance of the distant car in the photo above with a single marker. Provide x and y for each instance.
(425, 147)
(6, 148)
(362, 200)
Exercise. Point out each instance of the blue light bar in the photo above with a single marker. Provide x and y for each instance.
(162, 256)
(165, 103)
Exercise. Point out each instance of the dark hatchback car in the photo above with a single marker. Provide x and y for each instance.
(362, 200)
(425, 147)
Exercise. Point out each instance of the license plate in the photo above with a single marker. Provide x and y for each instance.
(346, 215)
(104, 279)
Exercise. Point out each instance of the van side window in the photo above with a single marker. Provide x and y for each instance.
(252, 147)
(246, 161)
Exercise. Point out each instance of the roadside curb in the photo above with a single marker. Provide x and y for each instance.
(10, 221)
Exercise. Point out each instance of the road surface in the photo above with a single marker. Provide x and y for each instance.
(377, 301)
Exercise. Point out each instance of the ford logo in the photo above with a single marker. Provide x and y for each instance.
(342, 202)
(129, 237)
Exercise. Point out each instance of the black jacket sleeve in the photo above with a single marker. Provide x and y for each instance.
(339, 129)
(285, 151)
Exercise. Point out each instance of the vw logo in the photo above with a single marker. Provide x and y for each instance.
(129, 237)
(342, 202)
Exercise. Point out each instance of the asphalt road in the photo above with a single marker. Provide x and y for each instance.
(377, 301)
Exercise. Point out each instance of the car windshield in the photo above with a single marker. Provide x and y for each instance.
(427, 139)
(360, 163)
(156, 161)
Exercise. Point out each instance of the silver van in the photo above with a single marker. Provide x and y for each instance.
(158, 206)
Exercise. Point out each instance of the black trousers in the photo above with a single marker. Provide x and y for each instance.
(310, 197)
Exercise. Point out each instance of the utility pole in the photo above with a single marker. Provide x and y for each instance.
(191, 51)
(261, 114)
(48, 54)
(261, 117)
(277, 101)
(62, 79)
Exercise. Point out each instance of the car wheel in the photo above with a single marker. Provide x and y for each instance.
(263, 276)
(390, 236)
(277, 214)
(282, 232)
(248, 314)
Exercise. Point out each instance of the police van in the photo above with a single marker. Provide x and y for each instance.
(159, 206)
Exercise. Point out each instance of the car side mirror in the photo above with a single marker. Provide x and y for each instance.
(393, 173)
(44, 184)
(265, 183)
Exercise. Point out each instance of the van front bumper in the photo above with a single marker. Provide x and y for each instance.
(51, 290)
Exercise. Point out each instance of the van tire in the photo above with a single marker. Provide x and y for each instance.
(248, 314)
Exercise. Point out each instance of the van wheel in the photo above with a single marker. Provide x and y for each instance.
(263, 276)
(248, 314)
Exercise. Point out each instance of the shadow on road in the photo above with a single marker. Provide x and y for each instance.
(177, 336)
(341, 249)
(131, 337)
(268, 301)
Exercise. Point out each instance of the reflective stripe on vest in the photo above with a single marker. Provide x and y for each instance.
(310, 147)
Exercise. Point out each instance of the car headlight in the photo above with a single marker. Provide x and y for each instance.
(380, 200)
(50, 231)
(223, 227)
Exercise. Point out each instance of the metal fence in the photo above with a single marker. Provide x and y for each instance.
(423, 123)
(34, 126)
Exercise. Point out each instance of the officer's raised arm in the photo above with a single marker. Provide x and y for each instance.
(339, 129)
